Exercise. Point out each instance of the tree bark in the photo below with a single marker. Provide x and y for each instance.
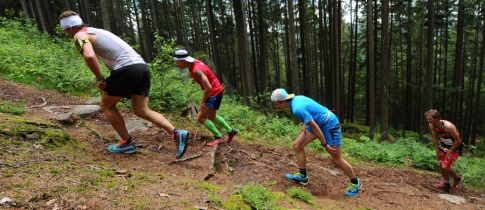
(295, 76)
(385, 72)
(244, 60)
(370, 76)
(214, 41)
(106, 6)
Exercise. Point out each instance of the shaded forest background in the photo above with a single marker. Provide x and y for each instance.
(377, 63)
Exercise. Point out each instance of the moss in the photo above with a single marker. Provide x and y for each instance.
(208, 186)
(22, 128)
(235, 202)
(354, 128)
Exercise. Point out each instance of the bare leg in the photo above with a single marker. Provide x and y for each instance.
(341, 162)
(108, 104)
(140, 107)
(303, 139)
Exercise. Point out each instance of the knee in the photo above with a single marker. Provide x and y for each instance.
(201, 120)
(444, 167)
(141, 113)
(105, 106)
(297, 147)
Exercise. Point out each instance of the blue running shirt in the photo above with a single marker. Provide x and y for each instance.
(306, 109)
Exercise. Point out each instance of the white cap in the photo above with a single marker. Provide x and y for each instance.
(280, 94)
(182, 55)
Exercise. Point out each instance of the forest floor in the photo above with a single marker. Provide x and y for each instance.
(89, 177)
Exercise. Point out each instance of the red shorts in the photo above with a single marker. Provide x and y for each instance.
(442, 158)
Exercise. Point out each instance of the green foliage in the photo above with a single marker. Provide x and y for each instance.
(171, 89)
(400, 152)
(257, 196)
(300, 193)
(472, 170)
(41, 60)
(12, 108)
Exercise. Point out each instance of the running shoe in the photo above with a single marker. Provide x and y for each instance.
(231, 135)
(353, 189)
(216, 141)
(298, 178)
(181, 142)
(443, 185)
(457, 184)
(121, 147)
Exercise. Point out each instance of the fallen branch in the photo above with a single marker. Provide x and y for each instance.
(213, 157)
(5, 150)
(15, 165)
(43, 99)
(250, 156)
(186, 159)
(85, 124)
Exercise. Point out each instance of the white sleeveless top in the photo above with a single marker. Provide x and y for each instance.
(114, 52)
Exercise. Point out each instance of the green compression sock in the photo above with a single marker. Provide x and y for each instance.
(220, 121)
(212, 128)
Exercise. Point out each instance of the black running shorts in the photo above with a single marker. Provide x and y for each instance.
(128, 81)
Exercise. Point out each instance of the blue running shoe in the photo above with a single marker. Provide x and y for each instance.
(298, 178)
(353, 189)
(120, 147)
(181, 141)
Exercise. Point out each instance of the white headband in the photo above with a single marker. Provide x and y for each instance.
(71, 21)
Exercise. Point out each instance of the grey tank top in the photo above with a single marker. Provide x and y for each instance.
(114, 52)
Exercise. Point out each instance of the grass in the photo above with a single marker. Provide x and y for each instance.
(12, 108)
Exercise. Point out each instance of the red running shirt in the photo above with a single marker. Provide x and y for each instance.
(213, 81)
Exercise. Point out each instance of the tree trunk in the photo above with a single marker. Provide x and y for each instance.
(455, 96)
(370, 76)
(214, 41)
(385, 72)
(428, 99)
(106, 7)
(166, 12)
(146, 32)
(156, 17)
(263, 48)
(305, 64)
(140, 34)
(295, 78)
(25, 9)
(42, 16)
(474, 122)
(244, 60)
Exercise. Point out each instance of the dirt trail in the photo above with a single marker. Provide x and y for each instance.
(156, 183)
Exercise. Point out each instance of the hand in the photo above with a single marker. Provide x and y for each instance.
(330, 149)
(203, 107)
(449, 156)
(101, 84)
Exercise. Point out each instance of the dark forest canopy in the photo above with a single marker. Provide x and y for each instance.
(412, 59)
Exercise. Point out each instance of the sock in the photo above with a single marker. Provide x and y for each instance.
(458, 179)
(212, 128)
(303, 171)
(447, 183)
(354, 180)
(220, 121)
(175, 133)
(128, 141)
